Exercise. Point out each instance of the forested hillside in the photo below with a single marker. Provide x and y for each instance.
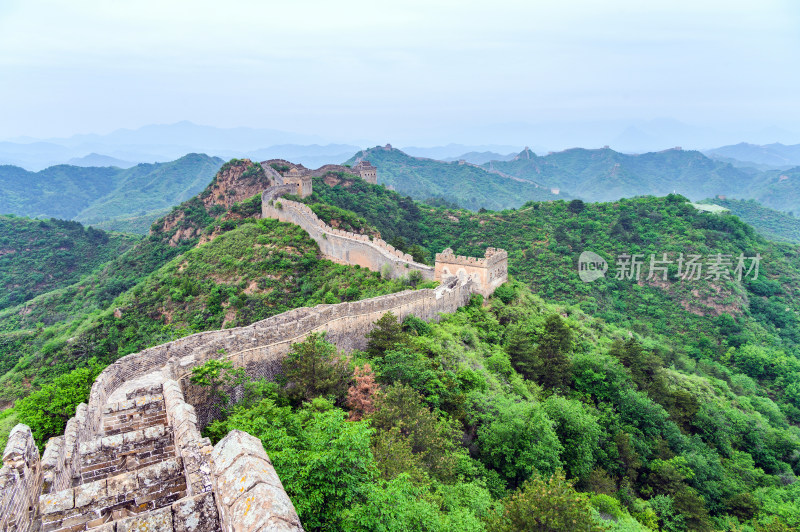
(622, 404)
(772, 224)
(607, 175)
(37, 256)
(466, 185)
(93, 195)
(204, 267)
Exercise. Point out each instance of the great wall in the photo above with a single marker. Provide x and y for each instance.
(133, 458)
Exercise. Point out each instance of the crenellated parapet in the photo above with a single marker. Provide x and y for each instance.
(488, 272)
(342, 246)
(20, 482)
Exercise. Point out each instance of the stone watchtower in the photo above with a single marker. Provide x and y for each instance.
(301, 178)
(488, 272)
(367, 172)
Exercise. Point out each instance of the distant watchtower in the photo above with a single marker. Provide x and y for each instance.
(367, 172)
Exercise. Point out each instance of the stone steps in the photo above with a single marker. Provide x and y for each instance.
(129, 473)
(95, 504)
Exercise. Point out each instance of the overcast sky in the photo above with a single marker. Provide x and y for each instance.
(413, 72)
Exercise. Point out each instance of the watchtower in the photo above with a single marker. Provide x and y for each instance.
(367, 172)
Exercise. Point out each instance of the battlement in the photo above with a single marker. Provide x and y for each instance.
(488, 272)
(342, 246)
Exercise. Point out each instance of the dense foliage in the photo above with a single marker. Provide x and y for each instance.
(632, 436)
(37, 256)
(772, 224)
(620, 404)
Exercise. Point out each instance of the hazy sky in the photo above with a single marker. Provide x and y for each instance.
(409, 71)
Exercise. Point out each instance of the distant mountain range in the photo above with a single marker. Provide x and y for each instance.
(465, 184)
(162, 143)
(99, 194)
(776, 154)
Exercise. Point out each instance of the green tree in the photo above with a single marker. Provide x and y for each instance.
(579, 433)
(516, 438)
(544, 504)
(387, 334)
(47, 411)
(324, 461)
(313, 368)
(220, 377)
(542, 357)
(431, 440)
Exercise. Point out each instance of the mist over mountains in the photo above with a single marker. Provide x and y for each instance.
(166, 142)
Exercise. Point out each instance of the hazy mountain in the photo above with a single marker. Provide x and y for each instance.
(605, 174)
(96, 159)
(482, 157)
(147, 188)
(185, 134)
(162, 143)
(453, 152)
(467, 185)
(776, 154)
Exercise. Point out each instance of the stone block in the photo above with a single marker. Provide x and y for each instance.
(112, 442)
(242, 475)
(264, 508)
(157, 520)
(157, 473)
(195, 514)
(90, 493)
(235, 444)
(57, 502)
(124, 483)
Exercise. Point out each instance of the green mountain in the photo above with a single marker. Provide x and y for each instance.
(38, 256)
(621, 404)
(208, 264)
(779, 189)
(607, 175)
(152, 188)
(93, 195)
(775, 155)
(466, 185)
(772, 224)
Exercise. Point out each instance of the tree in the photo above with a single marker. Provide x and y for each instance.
(542, 357)
(323, 460)
(433, 441)
(578, 431)
(544, 505)
(47, 411)
(219, 377)
(313, 368)
(361, 395)
(387, 333)
(517, 438)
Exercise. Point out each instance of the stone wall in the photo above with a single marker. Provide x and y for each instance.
(342, 246)
(20, 481)
(134, 458)
(248, 492)
(60, 461)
